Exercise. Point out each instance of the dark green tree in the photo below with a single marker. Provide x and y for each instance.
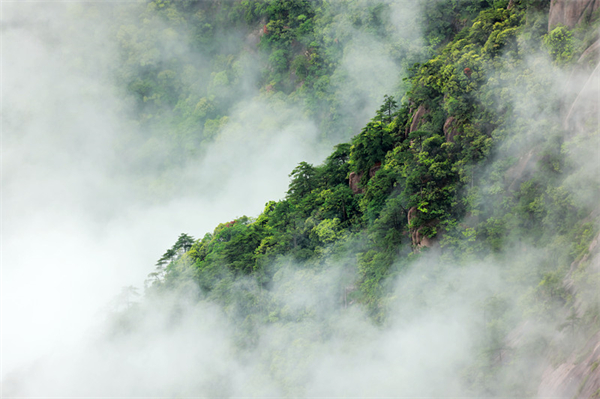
(184, 242)
(303, 181)
(387, 110)
(370, 146)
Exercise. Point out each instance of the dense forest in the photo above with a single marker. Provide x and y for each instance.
(448, 243)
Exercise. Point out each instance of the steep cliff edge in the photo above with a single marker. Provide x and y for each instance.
(571, 12)
(572, 369)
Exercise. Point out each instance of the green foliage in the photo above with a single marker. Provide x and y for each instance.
(370, 146)
(480, 176)
(559, 43)
(401, 169)
(387, 111)
(442, 20)
(303, 181)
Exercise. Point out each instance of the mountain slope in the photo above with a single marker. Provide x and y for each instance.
(487, 156)
(449, 248)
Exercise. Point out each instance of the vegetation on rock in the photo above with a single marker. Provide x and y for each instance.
(470, 162)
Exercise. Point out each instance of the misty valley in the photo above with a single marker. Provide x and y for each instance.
(301, 198)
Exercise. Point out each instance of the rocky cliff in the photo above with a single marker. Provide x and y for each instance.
(577, 373)
(571, 12)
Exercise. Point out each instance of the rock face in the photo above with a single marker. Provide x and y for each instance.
(521, 171)
(450, 129)
(253, 38)
(590, 54)
(570, 12)
(374, 169)
(354, 179)
(419, 240)
(574, 377)
(586, 105)
(417, 119)
(592, 260)
(579, 374)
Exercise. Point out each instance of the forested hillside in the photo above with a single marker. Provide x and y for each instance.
(488, 157)
(447, 245)
(188, 67)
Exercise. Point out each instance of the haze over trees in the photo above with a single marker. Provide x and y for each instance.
(447, 245)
